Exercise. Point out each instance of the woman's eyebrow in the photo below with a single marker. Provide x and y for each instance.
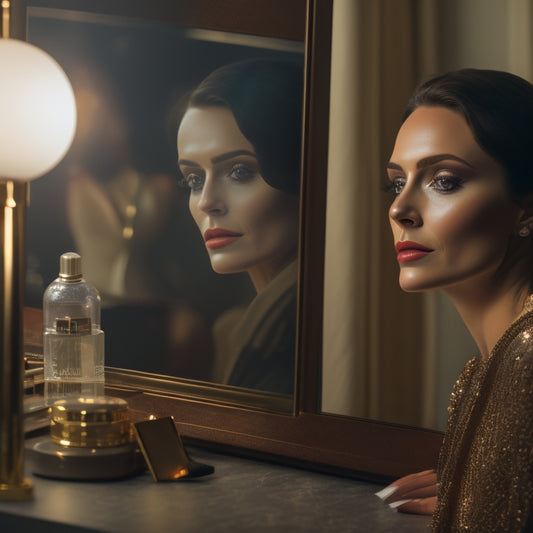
(218, 158)
(394, 166)
(431, 160)
(229, 155)
(188, 163)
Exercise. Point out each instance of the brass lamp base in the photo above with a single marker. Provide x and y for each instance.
(19, 492)
(13, 485)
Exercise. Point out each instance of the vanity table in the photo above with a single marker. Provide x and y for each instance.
(242, 495)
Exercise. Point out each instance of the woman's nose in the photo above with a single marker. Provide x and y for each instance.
(211, 198)
(405, 212)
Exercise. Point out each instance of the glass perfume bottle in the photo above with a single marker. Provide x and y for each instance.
(73, 342)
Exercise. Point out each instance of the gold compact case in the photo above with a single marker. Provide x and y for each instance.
(96, 422)
(91, 438)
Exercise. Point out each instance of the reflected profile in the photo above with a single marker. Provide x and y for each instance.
(239, 156)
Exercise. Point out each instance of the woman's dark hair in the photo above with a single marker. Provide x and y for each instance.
(498, 106)
(265, 97)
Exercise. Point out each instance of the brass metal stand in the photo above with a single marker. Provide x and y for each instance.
(5, 5)
(13, 199)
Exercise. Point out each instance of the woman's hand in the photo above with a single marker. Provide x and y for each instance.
(415, 493)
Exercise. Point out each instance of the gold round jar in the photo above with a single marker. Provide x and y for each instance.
(96, 422)
(90, 439)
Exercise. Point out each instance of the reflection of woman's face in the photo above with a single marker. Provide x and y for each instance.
(452, 216)
(247, 225)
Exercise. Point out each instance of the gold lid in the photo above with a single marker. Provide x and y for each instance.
(70, 267)
(96, 422)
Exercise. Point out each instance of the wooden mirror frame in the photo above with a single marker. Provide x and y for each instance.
(204, 414)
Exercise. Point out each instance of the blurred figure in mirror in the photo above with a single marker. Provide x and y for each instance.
(116, 212)
(462, 221)
(239, 155)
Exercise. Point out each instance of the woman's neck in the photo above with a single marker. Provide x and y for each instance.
(261, 275)
(488, 313)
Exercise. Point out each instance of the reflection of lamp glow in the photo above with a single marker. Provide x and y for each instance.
(181, 472)
(37, 125)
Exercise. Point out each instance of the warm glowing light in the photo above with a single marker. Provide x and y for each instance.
(182, 472)
(38, 117)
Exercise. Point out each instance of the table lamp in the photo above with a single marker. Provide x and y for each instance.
(37, 124)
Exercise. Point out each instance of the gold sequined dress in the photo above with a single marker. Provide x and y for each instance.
(486, 468)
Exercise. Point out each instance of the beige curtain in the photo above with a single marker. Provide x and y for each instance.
(520, 30)
(373, 333)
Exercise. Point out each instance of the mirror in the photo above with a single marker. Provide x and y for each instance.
(286, 428)
(402, 352)
(223, 311)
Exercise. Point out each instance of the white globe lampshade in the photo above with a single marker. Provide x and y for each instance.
(37, 111)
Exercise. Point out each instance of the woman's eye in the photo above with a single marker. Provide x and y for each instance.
(445, 183)
(194, 182)
(242, 173)
(396, 185)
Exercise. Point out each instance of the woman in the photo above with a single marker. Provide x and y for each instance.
(239, 154)
(462, 221)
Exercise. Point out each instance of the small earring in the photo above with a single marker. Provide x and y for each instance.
(524, 231)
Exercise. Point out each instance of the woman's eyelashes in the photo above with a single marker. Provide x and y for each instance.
(395, 185)
(195, 182)
(442, 183)
(446, 183)
(194, 178)
(241, 172)
(191, 178)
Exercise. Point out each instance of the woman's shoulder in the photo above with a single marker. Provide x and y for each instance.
(510, 371)
(516, 346)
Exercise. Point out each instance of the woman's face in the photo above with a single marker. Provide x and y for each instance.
(247, 225)
(452, 216)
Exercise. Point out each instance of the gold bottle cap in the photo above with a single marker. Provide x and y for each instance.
(70, 267)
(96, 422)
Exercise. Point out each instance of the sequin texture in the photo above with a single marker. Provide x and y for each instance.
(485, 468)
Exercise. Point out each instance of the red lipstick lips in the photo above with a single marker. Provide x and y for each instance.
(220, 237)
(410, 251)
